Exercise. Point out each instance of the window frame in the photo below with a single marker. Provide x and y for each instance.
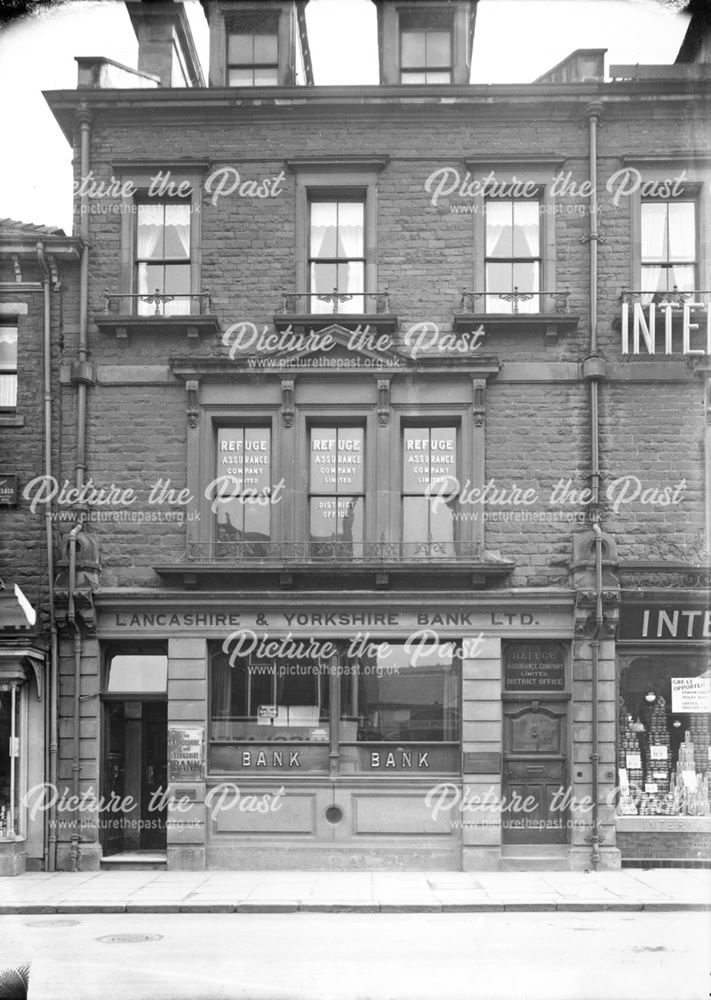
(335, 181)
(513, 260)
(11, 323)
(665, 266)
(232, 28)
(350, 196)
(163, 262)
(140, 179)
(338, 425)
(430, 424)
(432, 15)
(243, 423)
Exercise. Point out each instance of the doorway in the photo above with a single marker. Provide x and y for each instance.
(535, 773)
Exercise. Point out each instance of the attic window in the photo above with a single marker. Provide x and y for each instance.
(426, 47)
(253, 51)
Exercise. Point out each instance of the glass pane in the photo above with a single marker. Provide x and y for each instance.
(324, 278)
(177, 231)
(241, 78)
(244, 456)
(682, 231)
(683, 276)
(177, 282)
(654, 280)
(350, 460)
(654, 230)
(525, 279)
(8, 391)
(6, 827)
(499, 278)
(412, 48)
(240, 49)
(415, 521)
(351, 282)
(337, 519)
(438, 76)
(150, 282)
(438, 48)
(499, 240)
(150, 229)
(265, 49)
(324, 460)
(399, 694)
(324, 229)
(257, 458)
(140, 674)
(8, 348)
(350, 228)
(417, 77)
(429, 455)
(266, 77)
(526, 218)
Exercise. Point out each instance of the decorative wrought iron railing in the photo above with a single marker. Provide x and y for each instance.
(177, 305)
(560, 299)
(675, 298)
(333, 551)
(354, 302)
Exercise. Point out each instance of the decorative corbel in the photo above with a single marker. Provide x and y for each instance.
(287, 402)
(383, 402)
(478, 401)
(192, 387)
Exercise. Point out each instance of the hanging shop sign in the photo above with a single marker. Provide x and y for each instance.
(691, 694)
(673, 622)
(534, 666)
(186, 754)
(8, 489)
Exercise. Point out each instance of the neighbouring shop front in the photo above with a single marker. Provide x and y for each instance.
(343, 734)
(664, 731)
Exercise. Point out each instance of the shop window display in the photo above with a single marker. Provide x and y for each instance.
(8, 762)
(664, 736)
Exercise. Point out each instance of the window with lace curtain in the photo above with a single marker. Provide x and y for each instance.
(668, 247)
(8, 366)
(513, 255)
(336, 254)
(162, 258)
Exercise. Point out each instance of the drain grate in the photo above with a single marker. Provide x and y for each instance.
(129, 938)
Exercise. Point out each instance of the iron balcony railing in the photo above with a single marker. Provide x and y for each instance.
(333, 551)
(361, 302)
(560, 298)
(156, 303)
(675, 298)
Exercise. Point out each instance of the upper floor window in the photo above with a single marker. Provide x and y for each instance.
(244, 476)
(425, 47)
(163, 266)
(336, 256)
(253, 51)
(337, 490)
(8, 366)
(513, 255)
(669, 246)
(429, 456)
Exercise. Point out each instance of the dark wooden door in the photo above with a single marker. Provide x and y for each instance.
(535, 774)
(114, 777)
(154, 784)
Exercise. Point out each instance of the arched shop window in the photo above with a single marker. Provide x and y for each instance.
(664, 734)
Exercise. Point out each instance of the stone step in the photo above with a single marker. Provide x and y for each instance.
(135, 861)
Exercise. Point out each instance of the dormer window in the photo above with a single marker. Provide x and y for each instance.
(253, 51)
(426, 47)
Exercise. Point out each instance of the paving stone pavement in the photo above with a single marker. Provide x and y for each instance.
(356, 892)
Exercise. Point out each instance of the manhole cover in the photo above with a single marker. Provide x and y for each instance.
(52, 923)
(129, 938)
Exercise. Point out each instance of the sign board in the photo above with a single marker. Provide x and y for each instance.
(671, 622)
(651, 786)
(265, 714)
(534, 666)
(691, 694)
(8, 489)
(186, 754)
(658, 752)
(633, 761)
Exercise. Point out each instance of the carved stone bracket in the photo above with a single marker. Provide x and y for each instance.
(192, 387)
(383, 402)
(478, 401)
(287, 402)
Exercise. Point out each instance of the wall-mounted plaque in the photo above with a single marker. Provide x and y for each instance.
(486, 762)
(8, 489)
(534, 666)
(186, 754)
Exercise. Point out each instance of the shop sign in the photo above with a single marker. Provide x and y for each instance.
(691, 694)
(484, 762)
(265, 713)
(265, 758)
(534, 666)
(662, 319)
(385, 758)
(186, 754)
(667, 624)
(8, 489)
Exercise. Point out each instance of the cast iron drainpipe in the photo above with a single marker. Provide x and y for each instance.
(50, 831)
(593, 371)
(72, 620)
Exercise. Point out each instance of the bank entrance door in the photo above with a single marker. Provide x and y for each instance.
(535, 773)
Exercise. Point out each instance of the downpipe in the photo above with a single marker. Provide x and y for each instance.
(76, 749)
(51, 695)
